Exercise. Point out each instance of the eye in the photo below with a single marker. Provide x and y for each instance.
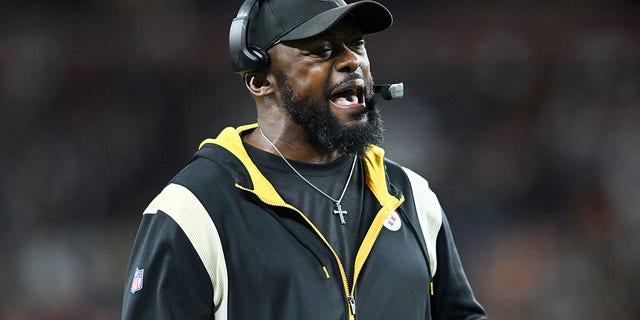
(323, 51)
(357, 45)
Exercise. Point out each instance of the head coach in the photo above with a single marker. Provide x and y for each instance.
(300, 215)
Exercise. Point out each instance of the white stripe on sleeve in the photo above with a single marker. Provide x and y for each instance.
(187, 211)
(429, 214)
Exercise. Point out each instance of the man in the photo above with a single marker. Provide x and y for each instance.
(299, 216)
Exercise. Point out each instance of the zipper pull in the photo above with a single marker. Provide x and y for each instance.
(352, 304)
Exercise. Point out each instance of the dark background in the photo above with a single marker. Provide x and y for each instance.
(523, 115)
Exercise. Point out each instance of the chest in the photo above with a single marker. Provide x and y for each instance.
(280, 264)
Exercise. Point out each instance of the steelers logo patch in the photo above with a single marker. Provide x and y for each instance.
(393, 222)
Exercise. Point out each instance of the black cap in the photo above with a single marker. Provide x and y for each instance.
(281, 20)
(262, 24)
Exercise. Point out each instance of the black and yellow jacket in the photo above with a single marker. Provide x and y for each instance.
(213, 245)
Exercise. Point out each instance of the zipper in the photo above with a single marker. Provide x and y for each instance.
(352, 304)
(367, 245)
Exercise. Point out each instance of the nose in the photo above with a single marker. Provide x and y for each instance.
(348, 60)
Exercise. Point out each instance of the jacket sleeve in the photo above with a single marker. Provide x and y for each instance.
(452, 298)
(166, 278)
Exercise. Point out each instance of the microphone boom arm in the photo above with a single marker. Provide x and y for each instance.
(390, 91)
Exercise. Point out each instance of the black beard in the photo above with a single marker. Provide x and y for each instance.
(327, 131)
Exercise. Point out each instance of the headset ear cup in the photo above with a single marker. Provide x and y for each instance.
(260, 58)
(245, 58)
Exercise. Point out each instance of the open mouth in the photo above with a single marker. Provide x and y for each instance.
(348, 96)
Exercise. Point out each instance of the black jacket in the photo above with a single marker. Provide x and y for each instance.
(220, 243)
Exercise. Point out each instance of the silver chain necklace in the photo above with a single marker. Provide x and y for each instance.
(338, 211)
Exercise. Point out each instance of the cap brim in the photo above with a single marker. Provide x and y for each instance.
(370, 16)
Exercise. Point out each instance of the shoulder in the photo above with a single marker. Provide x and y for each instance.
(210, 161)
(212, 171)
(408, 180)
(426, 201)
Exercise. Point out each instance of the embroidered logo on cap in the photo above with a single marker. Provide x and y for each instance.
(393, 222)
(136, 284)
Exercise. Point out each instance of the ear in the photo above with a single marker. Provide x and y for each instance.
(259, 84)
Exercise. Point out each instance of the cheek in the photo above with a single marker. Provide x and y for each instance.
(312, 83)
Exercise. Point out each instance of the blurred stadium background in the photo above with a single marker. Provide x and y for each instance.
(524, 116)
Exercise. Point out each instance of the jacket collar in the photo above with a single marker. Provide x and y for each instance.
(231, 140)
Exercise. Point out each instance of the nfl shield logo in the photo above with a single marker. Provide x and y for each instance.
(136, 284)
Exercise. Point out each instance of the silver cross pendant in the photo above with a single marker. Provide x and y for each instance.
(341, 213)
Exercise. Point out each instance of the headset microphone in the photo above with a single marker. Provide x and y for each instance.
(389, 91)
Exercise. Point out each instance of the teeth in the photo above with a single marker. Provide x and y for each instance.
(349, 97)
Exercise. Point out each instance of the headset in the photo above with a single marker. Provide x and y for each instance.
(245, 58)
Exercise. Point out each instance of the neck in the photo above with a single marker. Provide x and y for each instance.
(293, 143)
